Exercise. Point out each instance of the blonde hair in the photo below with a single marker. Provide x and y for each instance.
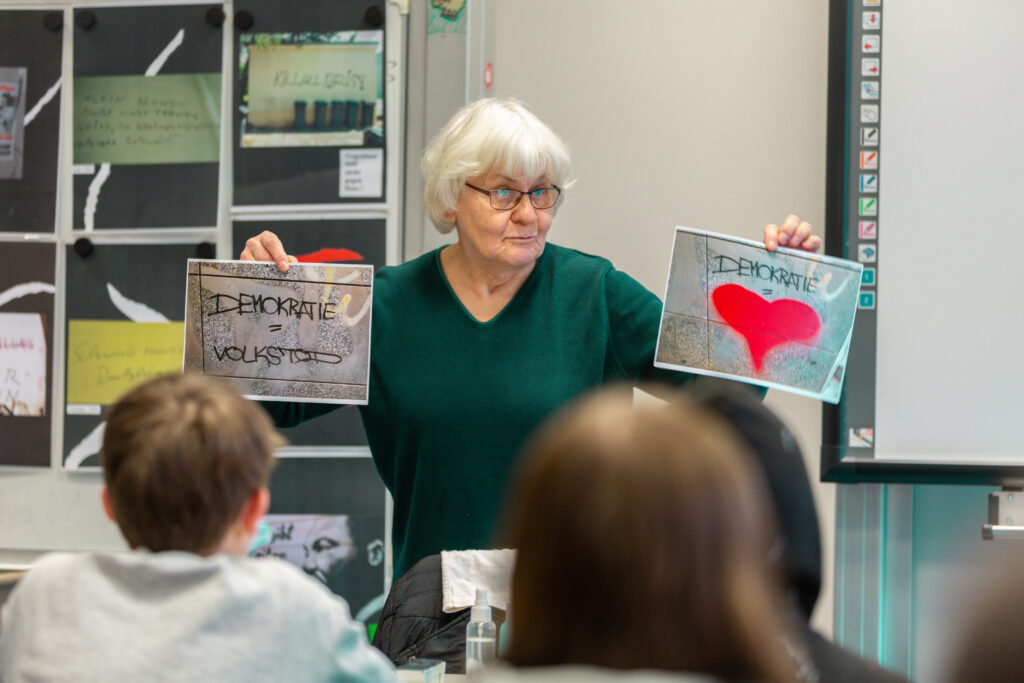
(491, 134)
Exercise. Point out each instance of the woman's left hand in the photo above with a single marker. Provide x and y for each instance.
(793, 233)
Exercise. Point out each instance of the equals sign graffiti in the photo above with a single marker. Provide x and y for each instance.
(766, 291)
(275, 328)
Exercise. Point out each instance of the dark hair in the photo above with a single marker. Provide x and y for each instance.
(991, 644)
(181, 456)
(643, 537)
(777, 453)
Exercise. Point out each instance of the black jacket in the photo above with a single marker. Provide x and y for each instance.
(413, 624)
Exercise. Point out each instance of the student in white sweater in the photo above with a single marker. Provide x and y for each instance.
(186, 461)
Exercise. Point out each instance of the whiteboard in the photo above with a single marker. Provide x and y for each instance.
(950, 177)
(950, 322)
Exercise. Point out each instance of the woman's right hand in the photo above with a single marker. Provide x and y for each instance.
(267, 247)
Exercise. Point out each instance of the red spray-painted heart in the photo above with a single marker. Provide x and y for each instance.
(764, 324)
(330, 255)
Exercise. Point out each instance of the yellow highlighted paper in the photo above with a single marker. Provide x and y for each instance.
(108, 357)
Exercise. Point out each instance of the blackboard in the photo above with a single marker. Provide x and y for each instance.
(924, 178)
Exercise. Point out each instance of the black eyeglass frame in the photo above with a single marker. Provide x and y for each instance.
(519, 198)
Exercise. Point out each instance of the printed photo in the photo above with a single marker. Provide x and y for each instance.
(780, 319)
(12, 122)
(344, 552)
(301, 335)
(312, 89)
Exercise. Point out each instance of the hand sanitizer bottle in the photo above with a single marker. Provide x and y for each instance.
(481, 636)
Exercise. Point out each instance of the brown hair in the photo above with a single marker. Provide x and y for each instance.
(181, 456)
(643, 540)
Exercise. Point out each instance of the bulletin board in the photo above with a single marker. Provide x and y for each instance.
(132, 164)
(924, 176)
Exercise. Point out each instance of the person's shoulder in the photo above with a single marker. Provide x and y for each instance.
(297, 590)
(394, 285)
(57, 564)
(575, 260)
(836, 663)
(580, 673)
(408, 271)
(53, 571)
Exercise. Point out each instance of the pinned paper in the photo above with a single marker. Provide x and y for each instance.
(105, 358)
(780, 319)
(165, 119)
(22, 364)
(302, 335)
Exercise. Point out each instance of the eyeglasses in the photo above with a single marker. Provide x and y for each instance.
(505, 199)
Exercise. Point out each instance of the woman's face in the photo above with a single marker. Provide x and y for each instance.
(512, 239)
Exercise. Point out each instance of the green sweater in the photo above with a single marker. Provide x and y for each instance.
(452, 400)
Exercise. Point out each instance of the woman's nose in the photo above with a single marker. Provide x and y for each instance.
(524, 211)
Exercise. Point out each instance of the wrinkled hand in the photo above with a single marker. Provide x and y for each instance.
(267, 247)
(793, 233)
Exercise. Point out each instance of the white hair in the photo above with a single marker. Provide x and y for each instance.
(489, 135)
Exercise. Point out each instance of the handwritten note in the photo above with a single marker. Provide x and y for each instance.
(300, 335)
(362, 173)
(105, 358)
(781, 319)
(167, 119)
(22, 364)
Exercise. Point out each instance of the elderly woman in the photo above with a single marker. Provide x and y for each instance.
(474, 344)
(644, 540)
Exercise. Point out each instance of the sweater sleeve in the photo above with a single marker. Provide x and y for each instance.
(285, 414)
(634, 317)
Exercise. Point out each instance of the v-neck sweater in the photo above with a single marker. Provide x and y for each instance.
(452, 399)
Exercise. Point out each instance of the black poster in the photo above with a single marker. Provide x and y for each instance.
(125, 307)
(307, 102)
(362, 241)
(26, 352)
(327, 517)
(147, 116)
(31, 47)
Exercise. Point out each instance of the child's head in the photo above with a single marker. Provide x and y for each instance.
(183, 457)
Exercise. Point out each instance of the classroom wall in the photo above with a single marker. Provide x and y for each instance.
(704, 114)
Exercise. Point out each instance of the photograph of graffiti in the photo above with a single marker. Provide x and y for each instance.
(344, 552)
(779, 319)
(312, 89)
(26, 353)
(304, 334)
